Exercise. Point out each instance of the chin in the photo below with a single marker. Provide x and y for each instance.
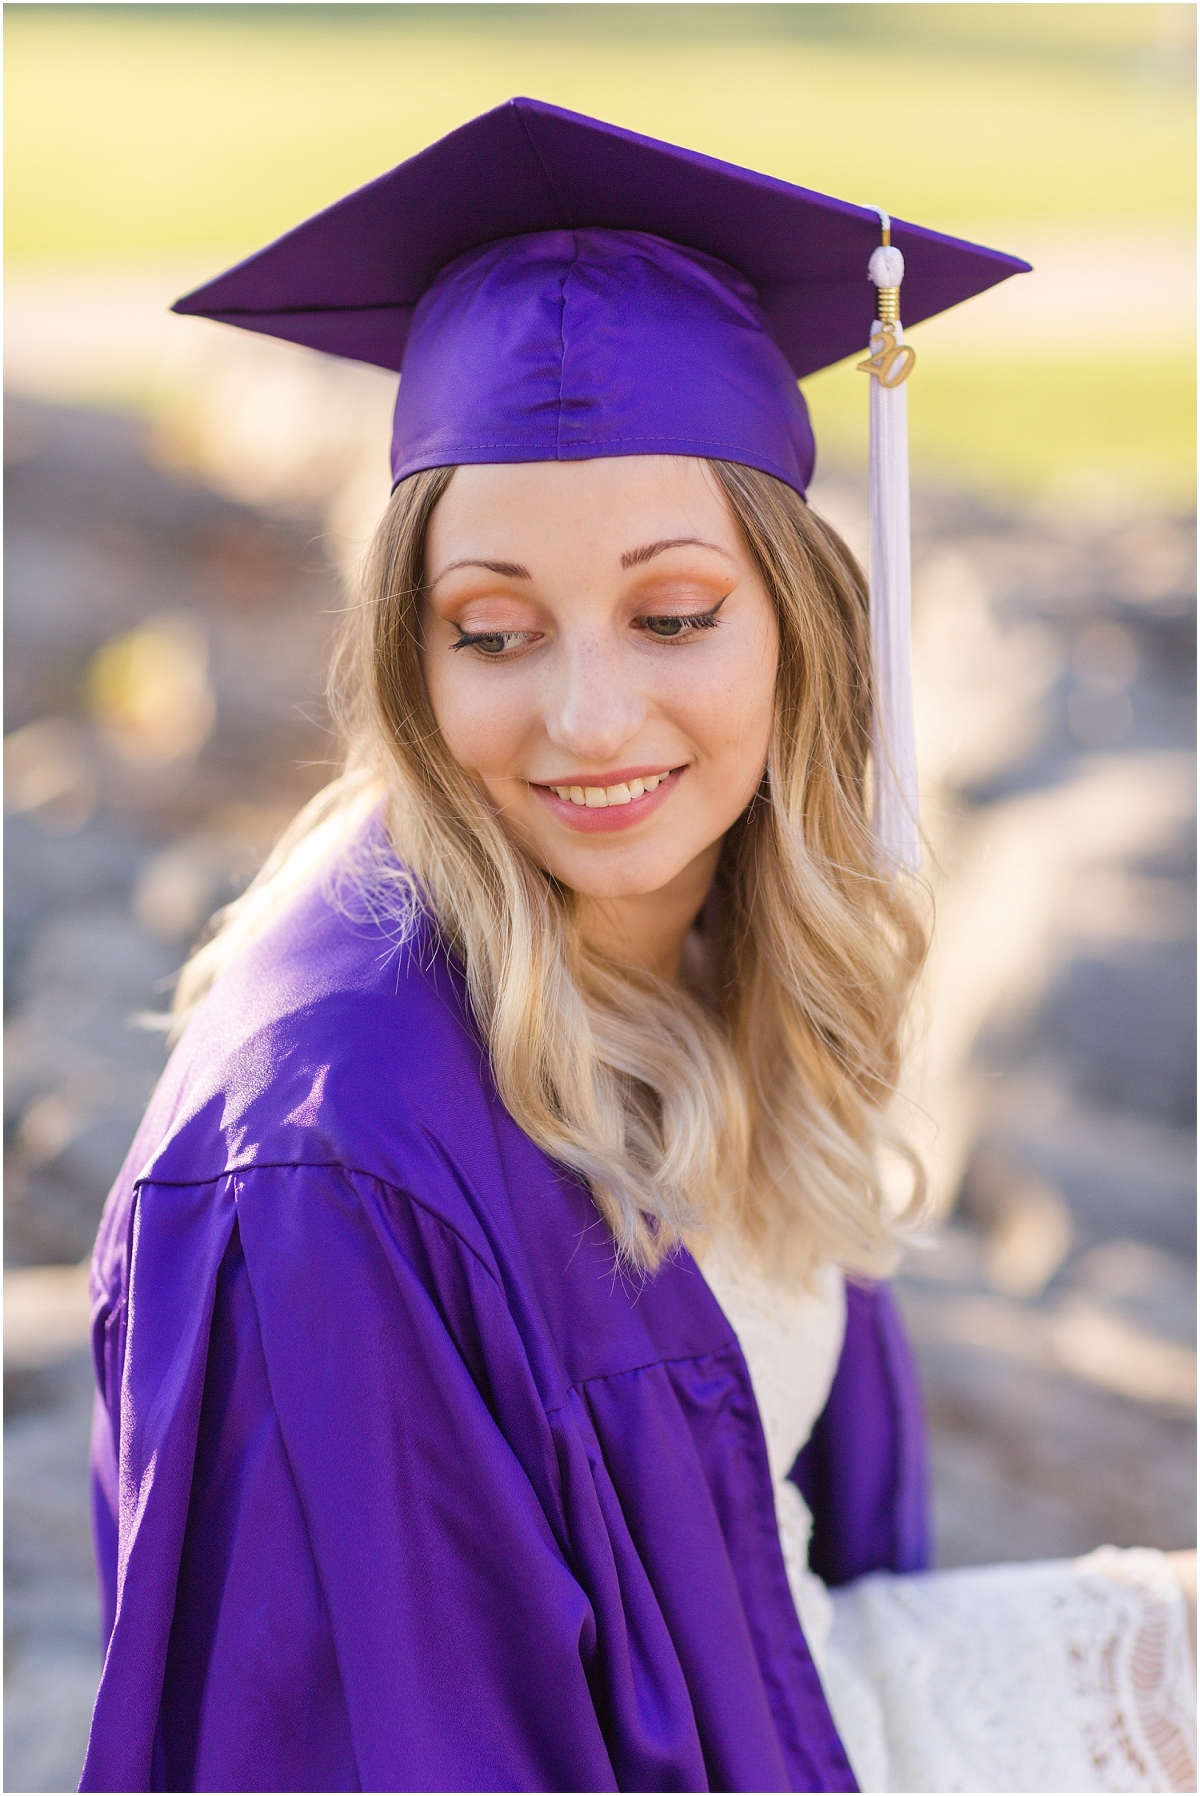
(633, 879)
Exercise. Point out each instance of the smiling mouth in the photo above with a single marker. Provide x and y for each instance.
(599, 798)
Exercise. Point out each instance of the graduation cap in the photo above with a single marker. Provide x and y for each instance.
(551, 287)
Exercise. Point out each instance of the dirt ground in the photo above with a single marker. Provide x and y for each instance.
(1052, 1089)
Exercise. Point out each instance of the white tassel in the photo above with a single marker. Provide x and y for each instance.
(896, 809)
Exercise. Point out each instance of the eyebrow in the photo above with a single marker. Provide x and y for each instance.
(647, 552)
(512, 570)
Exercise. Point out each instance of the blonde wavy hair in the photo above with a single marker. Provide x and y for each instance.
(754, 1098)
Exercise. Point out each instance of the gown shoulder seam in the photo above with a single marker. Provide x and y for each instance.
(350, 1170)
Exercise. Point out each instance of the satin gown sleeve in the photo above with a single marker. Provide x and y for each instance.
(262, 1417)
(864, 1471)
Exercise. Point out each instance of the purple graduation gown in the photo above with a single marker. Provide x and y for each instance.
(398, 1483)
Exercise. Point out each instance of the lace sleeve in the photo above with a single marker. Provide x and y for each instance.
(1075, 1675)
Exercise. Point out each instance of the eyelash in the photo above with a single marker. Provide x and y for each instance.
(469, 641)
(707, 620)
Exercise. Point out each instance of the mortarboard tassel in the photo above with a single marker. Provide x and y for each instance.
(896, 813)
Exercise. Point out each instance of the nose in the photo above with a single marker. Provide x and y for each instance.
(594, 707)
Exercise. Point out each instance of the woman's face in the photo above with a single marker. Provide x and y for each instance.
(600, 652)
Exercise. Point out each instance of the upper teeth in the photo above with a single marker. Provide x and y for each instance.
(595, 797)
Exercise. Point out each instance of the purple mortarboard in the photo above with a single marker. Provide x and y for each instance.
(552, 288)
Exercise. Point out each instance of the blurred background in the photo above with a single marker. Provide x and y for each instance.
(185, 505)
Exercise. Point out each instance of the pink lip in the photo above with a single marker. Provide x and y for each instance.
(611, 817)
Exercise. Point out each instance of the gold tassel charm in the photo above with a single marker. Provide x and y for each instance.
(890, 361)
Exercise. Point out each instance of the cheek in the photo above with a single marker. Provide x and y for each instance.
(483, 723)
(731, 709)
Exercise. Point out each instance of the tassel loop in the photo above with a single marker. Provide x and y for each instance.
(886, 269)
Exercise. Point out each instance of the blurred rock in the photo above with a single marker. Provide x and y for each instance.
(45, 871)
(52, 1617)
(1057, 1424)
(166, 652)
(109, 556)
(52, 1614)
(79, 1074)
(46, 1310)
(48, 775)
(180, 887)
(149, 690)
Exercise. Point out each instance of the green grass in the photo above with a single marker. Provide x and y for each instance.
(1033, 424)
(176, 131)
(143, 130)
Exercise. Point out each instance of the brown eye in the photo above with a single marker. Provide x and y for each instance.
(670, 629)
(490, 642)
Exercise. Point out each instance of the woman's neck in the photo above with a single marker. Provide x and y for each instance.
(649, 931)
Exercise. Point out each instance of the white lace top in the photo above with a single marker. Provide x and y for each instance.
(1066, 1675)
(791, 1343)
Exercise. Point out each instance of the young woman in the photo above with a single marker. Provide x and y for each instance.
(497, 1388)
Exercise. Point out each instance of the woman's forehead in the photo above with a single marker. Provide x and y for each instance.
(624, 507)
